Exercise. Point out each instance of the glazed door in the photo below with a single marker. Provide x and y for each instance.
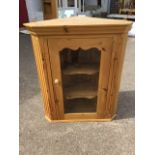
(80, 73)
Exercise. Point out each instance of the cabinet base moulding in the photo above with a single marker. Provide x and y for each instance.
(80, 120)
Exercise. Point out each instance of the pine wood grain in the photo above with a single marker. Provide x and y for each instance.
(78, 25)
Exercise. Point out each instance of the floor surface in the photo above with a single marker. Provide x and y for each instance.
(38, 137)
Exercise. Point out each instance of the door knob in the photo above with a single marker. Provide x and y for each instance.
(56, 81)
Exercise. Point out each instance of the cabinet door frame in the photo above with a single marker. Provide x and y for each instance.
(105, 45)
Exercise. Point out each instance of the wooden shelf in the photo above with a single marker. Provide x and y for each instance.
(80, 91)
(81, 69)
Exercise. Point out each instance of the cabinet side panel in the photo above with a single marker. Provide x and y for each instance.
(116, 70)
(49, 77)
(42, 73)
(106, 56)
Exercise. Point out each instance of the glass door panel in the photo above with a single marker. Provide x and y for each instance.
(80, 74)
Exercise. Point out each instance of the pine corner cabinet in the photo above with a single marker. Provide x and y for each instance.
(79, 62)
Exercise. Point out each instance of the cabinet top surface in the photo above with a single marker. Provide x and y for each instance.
(78, 21)
(78, 25)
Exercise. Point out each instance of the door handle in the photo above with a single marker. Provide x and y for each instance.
(56, 81)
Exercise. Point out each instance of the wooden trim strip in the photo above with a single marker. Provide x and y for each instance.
(80, 116)
(41, 73)
(56, 73)
(48, 74)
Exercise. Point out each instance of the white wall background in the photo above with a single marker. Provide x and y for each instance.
(34, 8)
(104, 4)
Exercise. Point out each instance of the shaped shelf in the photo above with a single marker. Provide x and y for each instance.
(80, 91)
(81, 69)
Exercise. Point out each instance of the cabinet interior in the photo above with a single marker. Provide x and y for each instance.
(80, 75)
